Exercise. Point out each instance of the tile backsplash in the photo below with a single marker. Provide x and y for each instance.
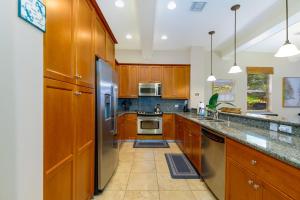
(147, 104)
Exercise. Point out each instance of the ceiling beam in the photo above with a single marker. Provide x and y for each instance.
(266, 25)
(146, 20)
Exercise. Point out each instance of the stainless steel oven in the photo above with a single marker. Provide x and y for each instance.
(150, 89)
(151, 125)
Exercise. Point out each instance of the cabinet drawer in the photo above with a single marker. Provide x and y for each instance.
(131, 116)
(282, 176)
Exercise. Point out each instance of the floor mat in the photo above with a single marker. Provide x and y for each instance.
(150, 144)
(180, 167)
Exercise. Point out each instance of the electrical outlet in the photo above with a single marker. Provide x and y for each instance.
(285, 129)
(273, 126)
(176, 106)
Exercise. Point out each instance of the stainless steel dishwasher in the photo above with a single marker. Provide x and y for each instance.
(213, 162)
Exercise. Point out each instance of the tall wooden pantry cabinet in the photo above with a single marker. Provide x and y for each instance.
(76, 34)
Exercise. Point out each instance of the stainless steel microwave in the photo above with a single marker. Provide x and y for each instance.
(150, 89)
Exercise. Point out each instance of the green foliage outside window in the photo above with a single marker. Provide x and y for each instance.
(258, 92)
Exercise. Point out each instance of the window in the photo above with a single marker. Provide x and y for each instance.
(258, 88)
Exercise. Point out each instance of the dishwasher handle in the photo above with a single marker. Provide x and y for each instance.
(213, 136)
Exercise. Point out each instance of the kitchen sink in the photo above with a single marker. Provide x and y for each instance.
(209, 119)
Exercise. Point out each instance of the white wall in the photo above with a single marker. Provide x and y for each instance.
(282, 68)
(158, 57)
(21, 126)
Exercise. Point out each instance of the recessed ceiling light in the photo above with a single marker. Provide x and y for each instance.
(119, 3)
(128, 36)
(171, 5)
(164, 37)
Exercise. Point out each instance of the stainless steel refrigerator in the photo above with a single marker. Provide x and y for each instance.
(107, 147)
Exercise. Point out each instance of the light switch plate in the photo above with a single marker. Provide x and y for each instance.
(176, 106)
(285, 128)
(273, 126)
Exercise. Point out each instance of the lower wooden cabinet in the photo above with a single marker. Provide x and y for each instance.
(168, 126)
(188, 138)
(254, 175)
(127, 126)
(68, 141)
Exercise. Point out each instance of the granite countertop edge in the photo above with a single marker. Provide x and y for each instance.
(278, 150)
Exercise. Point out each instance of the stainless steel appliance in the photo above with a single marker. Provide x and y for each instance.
(213, 162)
(107, 148)
(150, 89)
(149, 123)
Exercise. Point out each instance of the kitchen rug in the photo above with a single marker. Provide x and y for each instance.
(180, 167)
(150, 144)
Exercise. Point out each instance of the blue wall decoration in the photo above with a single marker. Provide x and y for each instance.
(33, 12)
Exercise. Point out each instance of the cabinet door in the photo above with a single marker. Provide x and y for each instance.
(58, 41)
(196, 149)
(168, 83)
(130, 126)
(181, 82)
(239, 183)
(110, 51)
(59, 140)
(156, 74)
(270, 193)
(128, 81)
(120, 127)
(168, 127)
(85, 127)
(144, 74)
(85, 61)
(100, 39)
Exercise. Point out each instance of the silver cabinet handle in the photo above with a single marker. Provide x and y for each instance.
(253, 162)
(77, 93)
(255, 186)
(78, 76)
(250, 182)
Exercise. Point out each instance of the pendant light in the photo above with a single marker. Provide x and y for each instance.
(235, 68)
(288, 49)
(211, 78)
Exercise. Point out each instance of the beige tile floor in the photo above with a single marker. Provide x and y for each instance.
(143, 174)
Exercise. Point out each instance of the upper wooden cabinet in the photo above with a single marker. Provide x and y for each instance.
(128, 81)
(150, 74)
(100, 38)
(58, 41)
(85, 62)
(176, 82)
(110, 51)
(181, 82)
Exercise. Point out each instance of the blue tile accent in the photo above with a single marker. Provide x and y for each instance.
(147, 104)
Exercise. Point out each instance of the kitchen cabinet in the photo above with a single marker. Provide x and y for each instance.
(127, 126)
(59, 137)
(181, 82)
(85, 130)
(128, 81)
(110, 51)
(58, 41)
(68, 141)
(240, 184)
(273, 179)
(100, 38)
(85, 61)
(176, 82)
(168, 83)
(168, 126)
(149, 74)
(188, 138)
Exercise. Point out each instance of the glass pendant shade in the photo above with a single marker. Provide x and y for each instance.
(211, 78)
(287, 50)
(235, 69)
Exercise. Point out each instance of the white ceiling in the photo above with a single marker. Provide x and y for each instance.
(147, 20)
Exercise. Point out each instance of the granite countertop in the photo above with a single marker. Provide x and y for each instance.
(277, 145)
(120, 113)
